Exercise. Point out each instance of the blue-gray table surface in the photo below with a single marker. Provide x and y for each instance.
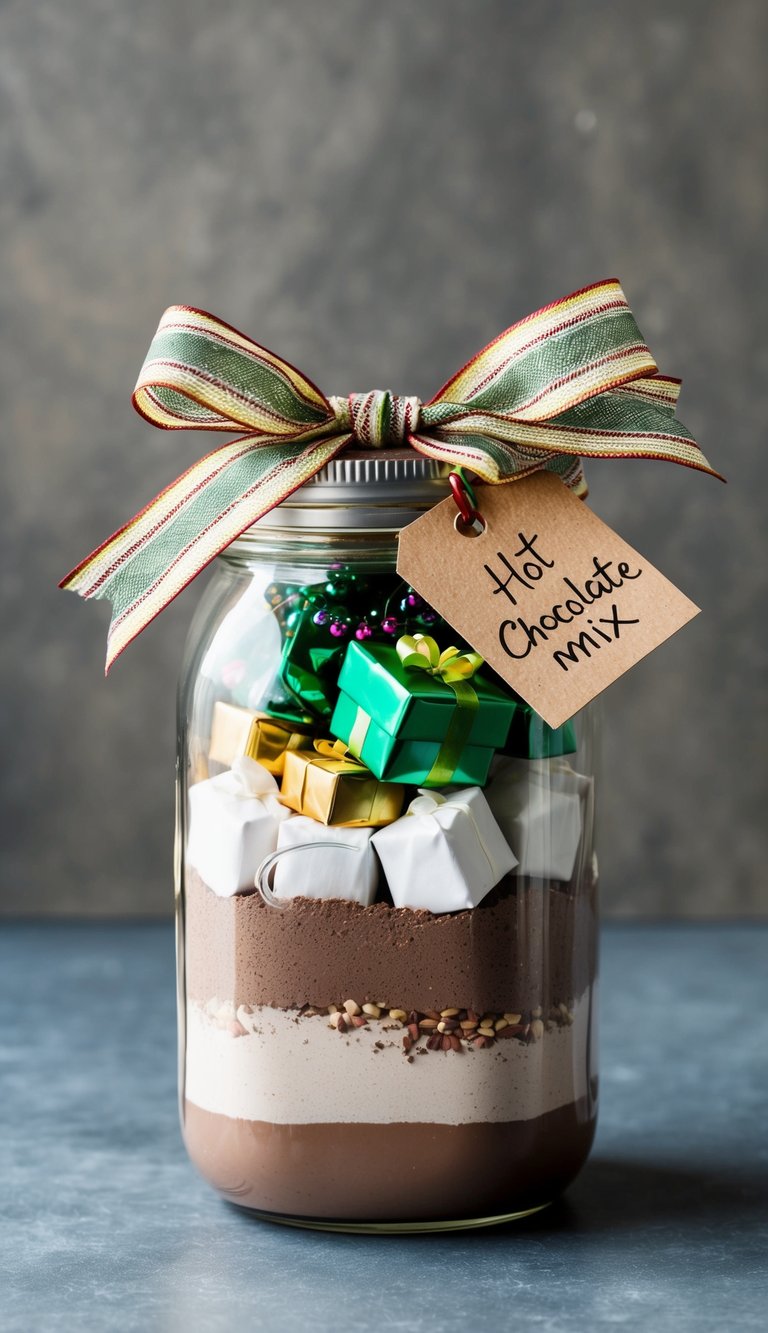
(104, 1225)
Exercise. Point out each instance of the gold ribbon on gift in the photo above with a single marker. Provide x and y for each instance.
(343, 760)
(455, 669)
(328, 784)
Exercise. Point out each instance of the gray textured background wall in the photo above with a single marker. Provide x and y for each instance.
(375, 190)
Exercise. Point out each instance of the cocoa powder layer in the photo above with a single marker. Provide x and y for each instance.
(390, 1173)
(527, 944)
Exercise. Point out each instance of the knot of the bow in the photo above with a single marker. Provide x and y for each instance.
(377, 418)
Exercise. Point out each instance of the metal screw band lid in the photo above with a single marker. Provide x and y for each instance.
(363, 489)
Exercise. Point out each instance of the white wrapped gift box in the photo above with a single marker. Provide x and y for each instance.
(542, 806)
(445, 854)
(325, 861)
(233, 824)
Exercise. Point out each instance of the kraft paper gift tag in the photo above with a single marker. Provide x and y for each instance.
(554, 600)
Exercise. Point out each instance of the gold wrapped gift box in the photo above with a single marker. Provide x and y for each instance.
(329, 785)
(238, 733)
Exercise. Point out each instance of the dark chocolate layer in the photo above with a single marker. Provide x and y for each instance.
(527, 944)
(392, 1173)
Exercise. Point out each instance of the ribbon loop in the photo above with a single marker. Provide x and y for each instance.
(425, 803)
(247, 780)
(422, 652)
(340, 754)
(573, 380)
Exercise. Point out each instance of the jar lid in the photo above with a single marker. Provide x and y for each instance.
(362, 489)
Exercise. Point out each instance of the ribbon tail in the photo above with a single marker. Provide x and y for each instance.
(631, 421)
(620, 423)
(443, 769)
(148, 562)
(496, 461)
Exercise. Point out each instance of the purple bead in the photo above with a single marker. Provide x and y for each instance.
(321, 617)
(363, 631)
(390, 625)
(413, 600)
(339, 630)
(428, 617)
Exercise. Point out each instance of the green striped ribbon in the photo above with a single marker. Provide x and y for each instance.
(573, 380)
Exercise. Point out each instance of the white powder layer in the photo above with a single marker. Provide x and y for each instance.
(293, 1071)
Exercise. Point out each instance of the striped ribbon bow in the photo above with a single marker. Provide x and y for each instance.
(573, 380)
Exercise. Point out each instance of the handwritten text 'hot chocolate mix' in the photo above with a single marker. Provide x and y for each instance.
(520, 637)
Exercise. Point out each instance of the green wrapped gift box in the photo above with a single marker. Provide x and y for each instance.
(310, 666)
(531, 738)
(397, 719)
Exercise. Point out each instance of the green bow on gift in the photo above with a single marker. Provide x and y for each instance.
(455, 669)
(419, 650)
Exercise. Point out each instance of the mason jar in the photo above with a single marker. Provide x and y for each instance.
(386, 964)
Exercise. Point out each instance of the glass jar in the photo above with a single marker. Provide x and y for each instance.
(387, 1019)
